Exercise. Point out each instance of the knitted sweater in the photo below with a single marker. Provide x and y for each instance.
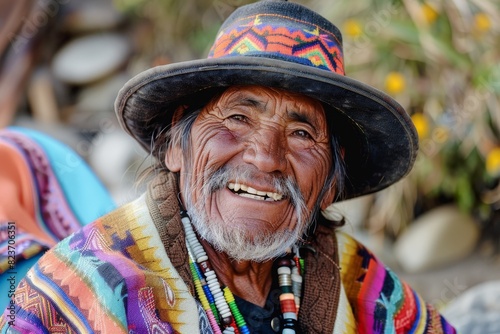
(128, 273)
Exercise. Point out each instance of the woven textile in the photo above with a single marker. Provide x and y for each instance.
(115, 276)
(379, 300)
(47, 192)
(302, 42)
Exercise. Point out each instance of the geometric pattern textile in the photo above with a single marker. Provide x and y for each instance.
(261, 34)
(380, 301)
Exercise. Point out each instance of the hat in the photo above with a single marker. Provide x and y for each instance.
(284, 45)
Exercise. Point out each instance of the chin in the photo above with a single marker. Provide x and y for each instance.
(246, 243)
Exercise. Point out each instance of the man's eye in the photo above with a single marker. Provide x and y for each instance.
(239, 118)
(302, 133)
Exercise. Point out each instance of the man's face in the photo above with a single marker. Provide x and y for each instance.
(259, 160)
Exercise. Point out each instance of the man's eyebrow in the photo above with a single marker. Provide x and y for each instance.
(248, 101)
(302, 117)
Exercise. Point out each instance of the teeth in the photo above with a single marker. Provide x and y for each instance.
(275, 196)
(251, 196)
(254, 193)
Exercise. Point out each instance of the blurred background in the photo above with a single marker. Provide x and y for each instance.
(63, 62)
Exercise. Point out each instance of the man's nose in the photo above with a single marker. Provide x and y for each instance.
(267, 151)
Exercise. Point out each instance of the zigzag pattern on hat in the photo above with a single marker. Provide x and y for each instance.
(266, 34)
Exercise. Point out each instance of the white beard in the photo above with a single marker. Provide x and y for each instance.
(234, 241)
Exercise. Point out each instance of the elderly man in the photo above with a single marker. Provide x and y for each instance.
(251, 144)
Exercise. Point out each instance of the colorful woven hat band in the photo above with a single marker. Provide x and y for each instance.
(280, 37)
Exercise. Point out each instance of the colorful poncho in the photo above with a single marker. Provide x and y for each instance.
(47, 192)
(128, 273)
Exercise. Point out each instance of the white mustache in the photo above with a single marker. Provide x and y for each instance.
(220, 179)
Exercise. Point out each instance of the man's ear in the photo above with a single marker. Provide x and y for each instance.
(173, 159)
(178, 114)
(173, 156)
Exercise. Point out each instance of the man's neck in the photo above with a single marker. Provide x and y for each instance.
(247, 279)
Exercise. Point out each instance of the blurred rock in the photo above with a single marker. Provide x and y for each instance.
(101, 96)
(477, 310)
(94, 102)
(91, 15)
(42, 97)
(90, 58)
(438, 238)
(117, 159)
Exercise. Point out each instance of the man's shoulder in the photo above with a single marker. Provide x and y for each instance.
(356, 257)
(378, 296)
(102, 250)
(115, 230)
(348, 243)
(105, 241)
(360, 267)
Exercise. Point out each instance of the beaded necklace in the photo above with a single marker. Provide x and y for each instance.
(218, 301)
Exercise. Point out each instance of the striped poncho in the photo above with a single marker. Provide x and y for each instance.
(128, 273)
(47, 192)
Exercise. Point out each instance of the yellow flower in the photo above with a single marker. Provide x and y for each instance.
(482, 22)
(430, 13)
(493, 161)
(395, 82)
(421, 124)
(353, 28)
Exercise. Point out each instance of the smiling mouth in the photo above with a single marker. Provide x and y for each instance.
(249, 192)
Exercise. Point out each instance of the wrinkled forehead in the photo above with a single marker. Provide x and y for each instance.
(265, 98)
